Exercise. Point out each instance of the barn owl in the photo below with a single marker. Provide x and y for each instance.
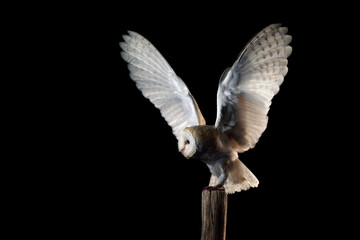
(244, 96)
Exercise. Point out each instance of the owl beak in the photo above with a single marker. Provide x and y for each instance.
(182, 151)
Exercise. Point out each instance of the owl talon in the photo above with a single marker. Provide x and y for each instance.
(213, 188)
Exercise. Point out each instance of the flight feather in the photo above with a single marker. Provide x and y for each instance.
(246, 89)
(158, 82)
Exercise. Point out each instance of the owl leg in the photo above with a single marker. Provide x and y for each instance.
(220, 185)
(223, 177)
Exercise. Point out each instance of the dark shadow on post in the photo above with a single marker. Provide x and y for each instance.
(213, 216)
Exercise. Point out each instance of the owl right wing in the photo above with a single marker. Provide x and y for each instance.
(247, 88)
(158, 82)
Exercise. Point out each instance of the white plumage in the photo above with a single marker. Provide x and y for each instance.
(243, 99)
(252, 82)
(159, 83)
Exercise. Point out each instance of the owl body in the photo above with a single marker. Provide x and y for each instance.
(208, 144)
(226, 169)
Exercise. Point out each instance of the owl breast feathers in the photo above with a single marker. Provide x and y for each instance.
(244, 96)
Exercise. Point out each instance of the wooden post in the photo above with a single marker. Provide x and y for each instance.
(213, 216)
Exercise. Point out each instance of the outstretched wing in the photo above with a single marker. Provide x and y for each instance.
(159, 83)
(247, 88)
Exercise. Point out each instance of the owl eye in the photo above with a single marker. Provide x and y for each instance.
(187, 142)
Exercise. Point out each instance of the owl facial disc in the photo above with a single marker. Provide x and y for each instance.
(187, 144)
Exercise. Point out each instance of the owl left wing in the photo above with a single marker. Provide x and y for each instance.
(158, 82)
(246, 89)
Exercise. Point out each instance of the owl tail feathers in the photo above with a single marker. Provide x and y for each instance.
(240, 178)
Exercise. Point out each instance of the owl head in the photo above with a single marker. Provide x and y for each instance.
(187, 143)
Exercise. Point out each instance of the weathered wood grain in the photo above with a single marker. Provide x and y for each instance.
(214, 211)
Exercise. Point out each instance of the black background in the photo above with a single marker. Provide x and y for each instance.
(119, 171)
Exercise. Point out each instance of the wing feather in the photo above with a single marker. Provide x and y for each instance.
(247, 88)
(158, 82)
